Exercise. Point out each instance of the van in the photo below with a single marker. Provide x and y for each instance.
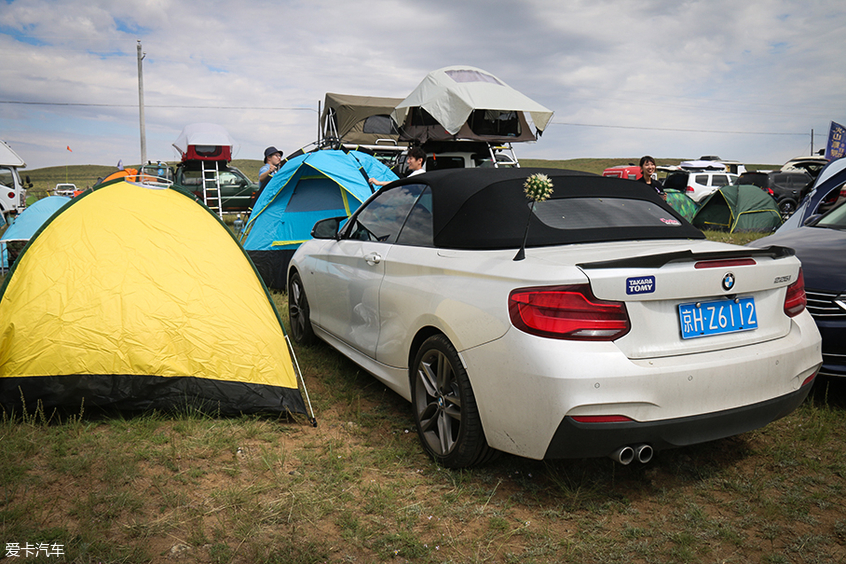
(12, 190)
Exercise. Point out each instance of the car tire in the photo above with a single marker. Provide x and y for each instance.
(445, 411)
(787, 207)
(299, 312)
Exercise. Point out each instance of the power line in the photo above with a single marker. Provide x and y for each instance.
(671, 129)
(23, 103)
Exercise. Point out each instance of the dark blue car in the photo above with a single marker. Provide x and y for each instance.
(821, 246)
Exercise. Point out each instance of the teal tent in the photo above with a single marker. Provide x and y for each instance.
(738, 208)
(308, 188)
(27, 224)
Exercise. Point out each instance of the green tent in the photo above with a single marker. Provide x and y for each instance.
(738, 208)
(681, 202)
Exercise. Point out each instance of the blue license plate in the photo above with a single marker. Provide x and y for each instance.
(703, 319)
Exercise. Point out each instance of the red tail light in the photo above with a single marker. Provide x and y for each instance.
(689, 189)
(567, 312)
(795, 300)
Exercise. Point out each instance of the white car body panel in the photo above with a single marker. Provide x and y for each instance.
(372, 301)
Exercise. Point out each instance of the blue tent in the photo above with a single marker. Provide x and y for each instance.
(27, 224)
(306, 189)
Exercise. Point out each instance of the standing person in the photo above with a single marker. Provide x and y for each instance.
(415, 160)
(647, 169)
(272, 160)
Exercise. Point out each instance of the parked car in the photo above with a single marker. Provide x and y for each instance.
(629, 172)
(65, 189)
(812, 164)
(786, 187)
(827, 192)
(821, 246)
(621, 332)
(237, 192)
(698, 184)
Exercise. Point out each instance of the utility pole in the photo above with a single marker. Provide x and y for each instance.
(812, 141)
(141, 104)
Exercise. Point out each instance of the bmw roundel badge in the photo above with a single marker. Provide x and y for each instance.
(728, 281)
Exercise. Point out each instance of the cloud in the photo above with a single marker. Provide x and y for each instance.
(671, 78)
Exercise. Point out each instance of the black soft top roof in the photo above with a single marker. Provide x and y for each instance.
(486, 208)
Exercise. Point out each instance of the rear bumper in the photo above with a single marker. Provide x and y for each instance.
(529, 389)
(573, 439)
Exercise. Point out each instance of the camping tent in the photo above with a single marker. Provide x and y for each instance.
(204, 141)
(738, 208)
(306, 189)
(681, 202)
(462, 102)
(26, 224)
(362, 120)
(134, 298)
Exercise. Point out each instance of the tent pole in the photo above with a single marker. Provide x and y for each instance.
(312, 419)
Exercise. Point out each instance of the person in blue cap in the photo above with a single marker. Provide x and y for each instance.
(272, 162)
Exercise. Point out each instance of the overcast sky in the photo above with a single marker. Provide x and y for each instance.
(672, 78)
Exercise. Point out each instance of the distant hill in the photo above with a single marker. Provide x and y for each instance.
(45, 179)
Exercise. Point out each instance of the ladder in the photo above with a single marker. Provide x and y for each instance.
(211, 187)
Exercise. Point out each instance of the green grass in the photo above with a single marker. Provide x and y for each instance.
(358, 488)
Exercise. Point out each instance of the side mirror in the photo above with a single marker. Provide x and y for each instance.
(812, 219)
(28, 181)
(327, 228)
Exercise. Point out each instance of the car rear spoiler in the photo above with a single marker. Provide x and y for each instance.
(659, 260)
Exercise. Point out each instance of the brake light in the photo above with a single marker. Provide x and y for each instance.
(796, 300)
(724, 263)
(689, 189)
(567, 312)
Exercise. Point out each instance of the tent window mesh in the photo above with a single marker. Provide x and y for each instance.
(380, 125)
(472, 76)
(315, 194)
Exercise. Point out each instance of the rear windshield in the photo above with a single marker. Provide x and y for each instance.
(595, 213)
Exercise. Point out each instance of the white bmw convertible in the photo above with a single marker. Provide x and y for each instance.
(594, 322)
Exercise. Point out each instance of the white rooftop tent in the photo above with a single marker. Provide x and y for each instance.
(452, 94)
(204, 141)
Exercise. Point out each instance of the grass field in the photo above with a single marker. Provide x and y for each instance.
(191, 488)
(357, 488)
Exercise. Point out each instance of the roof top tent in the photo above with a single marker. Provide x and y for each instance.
(360, 122)
(462, 103)
(211, 145)
(204, 142)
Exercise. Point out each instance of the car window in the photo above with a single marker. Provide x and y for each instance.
(417, 230)
(719, 180)
(6, 177)
(701, 179)
(227, 178)
(594, 213)
(676, 180)
(384, 216)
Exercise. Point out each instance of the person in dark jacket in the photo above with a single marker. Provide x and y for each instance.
(647, 169)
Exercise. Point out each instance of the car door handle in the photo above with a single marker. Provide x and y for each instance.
(373, 258)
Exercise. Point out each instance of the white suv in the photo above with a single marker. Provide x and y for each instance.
(698, 184)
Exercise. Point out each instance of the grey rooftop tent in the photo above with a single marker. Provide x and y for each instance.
(359, 120)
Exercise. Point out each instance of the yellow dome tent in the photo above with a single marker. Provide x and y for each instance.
(134, 297)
